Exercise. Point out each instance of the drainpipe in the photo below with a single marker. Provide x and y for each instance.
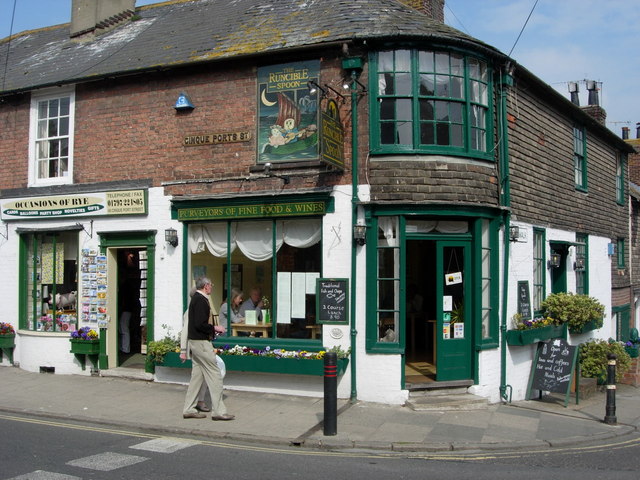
(354, 66)
(506, 81)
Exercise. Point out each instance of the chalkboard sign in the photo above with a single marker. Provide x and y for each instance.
(332, 300)
(553, 367)
(524, 301)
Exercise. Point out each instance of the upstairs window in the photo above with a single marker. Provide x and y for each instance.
(580, 158)
(51, 138)
(430, 101)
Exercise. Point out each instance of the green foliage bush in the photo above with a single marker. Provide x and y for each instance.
(572, 309)
(593, 358)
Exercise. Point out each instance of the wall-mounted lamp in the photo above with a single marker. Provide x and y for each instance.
(359, 234)
(78, 224)
(183, 103)
(554, 261)
(579, 263)
(267, 171)
(514, 233)
(314, 87)
(171, 237)
(346, 84)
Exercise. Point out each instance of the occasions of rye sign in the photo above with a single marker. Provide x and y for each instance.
(215, 138)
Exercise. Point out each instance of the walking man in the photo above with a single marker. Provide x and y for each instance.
(203, 356)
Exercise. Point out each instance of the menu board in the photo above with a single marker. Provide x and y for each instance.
(524, 300)
(553, 367)
(332, 301)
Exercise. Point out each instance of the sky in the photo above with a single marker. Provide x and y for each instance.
(563, 41)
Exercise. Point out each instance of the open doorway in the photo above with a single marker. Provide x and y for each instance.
(420, 360)
(131, 296)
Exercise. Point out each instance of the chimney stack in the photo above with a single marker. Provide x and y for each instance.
(625, 133)
(574, 90)
(90, 18)
(593, 108)
(433, 9)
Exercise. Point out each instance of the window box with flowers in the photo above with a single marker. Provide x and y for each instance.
(7, 340)
(539, 329)
(581, 313)
(246, 359)
(85, 342)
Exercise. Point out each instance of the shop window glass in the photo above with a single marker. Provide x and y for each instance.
(279, 260)
(51, 283)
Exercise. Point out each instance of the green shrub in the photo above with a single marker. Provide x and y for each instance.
(594, 361)
(574, 310)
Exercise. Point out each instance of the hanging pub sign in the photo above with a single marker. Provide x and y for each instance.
(122, 202)
(287, 112)
(332, 136)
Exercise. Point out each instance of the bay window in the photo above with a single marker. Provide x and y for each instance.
(430, 101)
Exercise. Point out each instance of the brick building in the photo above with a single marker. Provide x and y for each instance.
(138, 161)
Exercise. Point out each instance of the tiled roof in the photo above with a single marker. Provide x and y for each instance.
(183, 32)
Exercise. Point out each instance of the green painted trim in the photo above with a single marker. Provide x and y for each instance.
(22, 281)
(143, 239)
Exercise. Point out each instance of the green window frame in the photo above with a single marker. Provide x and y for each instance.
(48, 267)
(580, 157)
(581, 265)
(620, 164)
(430, 101)
(620, 253)
(539, 267)
(487, 250)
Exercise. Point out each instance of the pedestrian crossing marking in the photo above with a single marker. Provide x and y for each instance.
(44, 475)
(164, 445)
(107, 461)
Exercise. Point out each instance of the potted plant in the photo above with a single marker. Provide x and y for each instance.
(7, 340)
(594, 361)
(633, 345)
(160, 352)
(538, 329)
(581, 313)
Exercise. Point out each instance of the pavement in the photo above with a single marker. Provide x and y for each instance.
(286, 420)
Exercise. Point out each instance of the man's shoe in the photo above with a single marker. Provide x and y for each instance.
(225, 417)
(194, 415)
(203, 408)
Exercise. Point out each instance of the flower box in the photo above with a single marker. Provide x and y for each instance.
(8, 341)
(252, 363)
(587, 327)
(535, 335)
(86, 347)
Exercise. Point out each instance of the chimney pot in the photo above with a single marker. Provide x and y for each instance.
(625, 133)
(573, 90)
(638, 130)
(592, 87)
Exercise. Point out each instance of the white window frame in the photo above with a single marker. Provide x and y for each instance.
(49, 94)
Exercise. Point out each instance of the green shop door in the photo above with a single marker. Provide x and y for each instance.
(453, 307)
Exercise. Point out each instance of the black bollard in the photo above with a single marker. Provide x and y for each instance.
(330, 393)
(610, 416)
